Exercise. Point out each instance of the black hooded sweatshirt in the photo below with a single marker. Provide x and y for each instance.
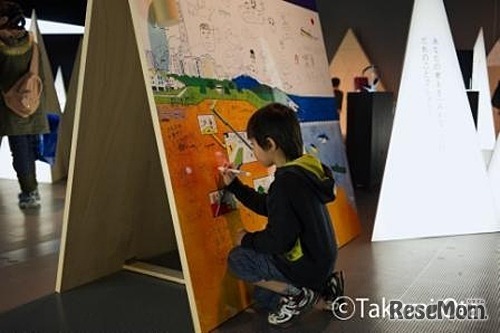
(299, 231)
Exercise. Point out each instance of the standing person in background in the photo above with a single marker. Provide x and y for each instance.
(337, 93)
(16, 48)
(291, 261)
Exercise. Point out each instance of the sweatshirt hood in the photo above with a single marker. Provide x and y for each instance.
(317, 174)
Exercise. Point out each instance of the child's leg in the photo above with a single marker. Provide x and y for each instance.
(265, 299)
(271, 285)
(259, 269)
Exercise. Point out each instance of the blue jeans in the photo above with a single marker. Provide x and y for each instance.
(24, 149)
(251, 266)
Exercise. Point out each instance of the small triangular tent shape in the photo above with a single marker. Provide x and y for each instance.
(480, 83)
(435, 181)
(494, 55)
(348, 63)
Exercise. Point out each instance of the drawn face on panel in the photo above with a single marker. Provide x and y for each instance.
(250, 4)
(252, 11)
(207, 36)
(207, 124)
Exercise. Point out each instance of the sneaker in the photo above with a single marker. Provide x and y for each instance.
(29, 200)
(334, 289)
(36, 194)
(291, 307)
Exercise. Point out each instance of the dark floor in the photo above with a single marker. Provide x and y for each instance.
(413, 271)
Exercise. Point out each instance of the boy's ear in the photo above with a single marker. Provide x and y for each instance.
(271, 143)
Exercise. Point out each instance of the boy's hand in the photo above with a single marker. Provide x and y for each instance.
(227, 175)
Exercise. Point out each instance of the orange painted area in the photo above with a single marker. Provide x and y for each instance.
(193, 159)
(345, 219)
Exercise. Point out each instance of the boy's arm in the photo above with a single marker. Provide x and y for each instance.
(283, 226)
(252, 199)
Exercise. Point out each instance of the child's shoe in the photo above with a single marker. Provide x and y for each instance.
(334, 289)
(29, 200)
(291, 307)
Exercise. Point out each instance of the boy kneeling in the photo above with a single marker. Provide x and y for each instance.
(291, 261)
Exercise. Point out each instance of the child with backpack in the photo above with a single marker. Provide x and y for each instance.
(17, 52)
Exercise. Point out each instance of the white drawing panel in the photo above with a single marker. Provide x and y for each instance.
(480, 83)
(239, 38)
(435, 181)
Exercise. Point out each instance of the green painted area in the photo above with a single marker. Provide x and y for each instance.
(197, 90)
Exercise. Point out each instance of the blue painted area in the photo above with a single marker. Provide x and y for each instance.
(315, 108)
(246, 82)
(310, 4)
(308, 108)
(324, 140)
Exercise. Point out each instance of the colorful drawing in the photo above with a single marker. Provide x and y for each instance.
(221, 202)
(207, 79)
(238, 152)
(262, 185)
(207, 124)
(324, 140)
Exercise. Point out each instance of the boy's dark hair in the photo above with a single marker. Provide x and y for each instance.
(335, 82)
(280, 123)
(14, 13)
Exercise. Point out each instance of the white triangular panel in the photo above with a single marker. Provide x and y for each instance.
(435, 181)
(60, 89)
(480, 83)
(494, 178)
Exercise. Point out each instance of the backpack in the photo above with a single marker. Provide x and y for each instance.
(23, 98)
